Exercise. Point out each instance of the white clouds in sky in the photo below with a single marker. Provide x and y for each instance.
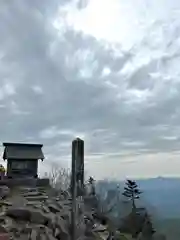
(106, 71)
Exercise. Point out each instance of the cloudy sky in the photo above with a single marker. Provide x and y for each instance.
(104, 70)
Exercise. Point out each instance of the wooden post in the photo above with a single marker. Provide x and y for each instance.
(77, 176)
(80, 167)
(74, 193)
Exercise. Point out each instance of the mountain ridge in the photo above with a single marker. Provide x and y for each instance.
(162, 194)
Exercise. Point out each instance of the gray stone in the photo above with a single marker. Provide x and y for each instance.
(6, 203)
(65, 202)
(45, 209)
(38, 217)
(34, 234)
(25, 214)
(63, 236)
(26, 230)
(4, 191)
(27, 189)
(19, 213)
(53, 208)
(50, 237)
(33, 203)
(8, 223)
(18, 201)
(32, 194)
(61, 224)
(37, 198)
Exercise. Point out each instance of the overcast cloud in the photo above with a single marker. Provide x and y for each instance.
(107, 71)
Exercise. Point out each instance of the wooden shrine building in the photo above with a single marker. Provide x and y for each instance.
(22, 159)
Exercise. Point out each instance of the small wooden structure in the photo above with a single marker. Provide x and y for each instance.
(22, 159)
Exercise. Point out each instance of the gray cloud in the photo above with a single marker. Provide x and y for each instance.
(56, 85)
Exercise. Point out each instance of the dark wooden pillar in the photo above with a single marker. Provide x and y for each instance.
(77, 179)
(78, 164)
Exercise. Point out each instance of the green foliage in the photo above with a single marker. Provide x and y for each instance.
(131, 191)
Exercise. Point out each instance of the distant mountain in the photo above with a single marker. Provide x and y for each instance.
(163, 194)
(160, 195)
(170, 228)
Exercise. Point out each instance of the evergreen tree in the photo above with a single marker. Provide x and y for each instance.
(132, 192)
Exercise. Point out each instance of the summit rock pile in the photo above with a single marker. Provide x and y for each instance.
(38, 214)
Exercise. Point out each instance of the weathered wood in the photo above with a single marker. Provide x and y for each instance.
(22, 168)
(73, 192)
(78, 164)
(22, 159)
(77, 180)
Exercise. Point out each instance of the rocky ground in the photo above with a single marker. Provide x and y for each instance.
(40, 214)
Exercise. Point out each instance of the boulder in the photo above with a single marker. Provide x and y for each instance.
(53, 208)
(34, 234)
(38, 217)
(61, 228)
(19, 214)
(4, 191)
(25, 214)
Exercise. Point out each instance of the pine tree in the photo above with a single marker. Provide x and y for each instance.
(132, 192)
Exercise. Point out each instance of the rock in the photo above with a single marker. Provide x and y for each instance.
(5, 203)
(16, 232)
(4, 191)
(27, 189)
(37, 198)
(32, 194)
(88, 238)
(63, 236)
(66, 216)
(33, 203)
(99, 228)
(45, 209)
(38, 206)
(33, 214)
(38, 217)
(18, 201)
(26, 230)
(34, 234)
(19, 213)
(65, 203)
(53, 208)
(25, 214)
(61, 229)
(2, 229)
(50, 237)
(8, 223)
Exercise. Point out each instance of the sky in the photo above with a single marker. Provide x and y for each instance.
(103, 70)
